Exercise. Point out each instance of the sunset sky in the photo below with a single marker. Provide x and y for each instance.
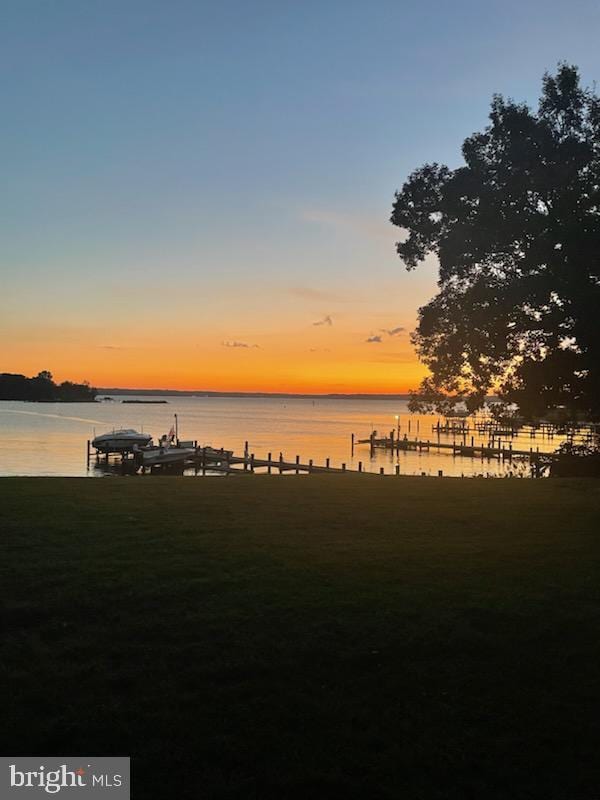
(196, 195)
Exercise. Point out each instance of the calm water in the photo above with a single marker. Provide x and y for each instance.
(50, 439)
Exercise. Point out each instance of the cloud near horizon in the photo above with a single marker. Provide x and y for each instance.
(239, 344)
(374, 339)
(393, 331)
(325, 321)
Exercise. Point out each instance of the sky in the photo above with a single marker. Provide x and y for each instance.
(196, 195)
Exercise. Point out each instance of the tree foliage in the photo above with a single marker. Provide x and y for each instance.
(42, 388)
(516, 230)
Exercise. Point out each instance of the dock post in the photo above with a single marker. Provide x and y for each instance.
(327, 463)
(343, 468)
(280, 462)
(360, 466)
(297, 463)
(310, 464)
(472, 441)
(397, 469)
(352, 443)
(372, 442)
(204, 460)
(88, 454)
(269, 460)
(381, 471)
(245, 449)
(252, 462)
(440, 473)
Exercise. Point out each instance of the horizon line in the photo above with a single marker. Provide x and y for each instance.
(211, 393)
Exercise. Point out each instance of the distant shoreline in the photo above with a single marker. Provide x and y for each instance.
(45, 402)
(200, 393)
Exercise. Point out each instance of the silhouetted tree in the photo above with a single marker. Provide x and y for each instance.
(43, 386)
(517, 234)
(43, 389)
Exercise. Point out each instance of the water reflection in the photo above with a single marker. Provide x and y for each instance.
(52, 439)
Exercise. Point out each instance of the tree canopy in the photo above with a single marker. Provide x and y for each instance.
(42, 388)
(516, 230)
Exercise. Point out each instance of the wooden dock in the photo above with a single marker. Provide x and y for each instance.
(470, 450)
(207, 460)
(251, 463)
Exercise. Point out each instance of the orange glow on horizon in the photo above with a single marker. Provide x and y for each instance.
(259, 340)
(362, 368)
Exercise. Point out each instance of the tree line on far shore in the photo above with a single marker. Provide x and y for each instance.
(42, 388)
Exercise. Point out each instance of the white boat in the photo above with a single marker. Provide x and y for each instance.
(169, 454)
(121, 441)
(165, 455)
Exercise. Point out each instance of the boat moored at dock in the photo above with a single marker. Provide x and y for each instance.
(124, 440)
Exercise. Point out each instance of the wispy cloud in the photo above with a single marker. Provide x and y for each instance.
(319, 350)
(374, 340)
(238, 344)
(325, 321)
(111, 347)
(393, 331)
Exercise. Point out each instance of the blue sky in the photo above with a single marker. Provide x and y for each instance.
(239, 156)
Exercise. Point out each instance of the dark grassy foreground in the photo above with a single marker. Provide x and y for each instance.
(349, 636)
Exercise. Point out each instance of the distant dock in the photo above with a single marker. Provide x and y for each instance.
(471, 450)
(146, 402)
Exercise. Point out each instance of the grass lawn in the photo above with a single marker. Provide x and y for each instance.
(307, 637)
